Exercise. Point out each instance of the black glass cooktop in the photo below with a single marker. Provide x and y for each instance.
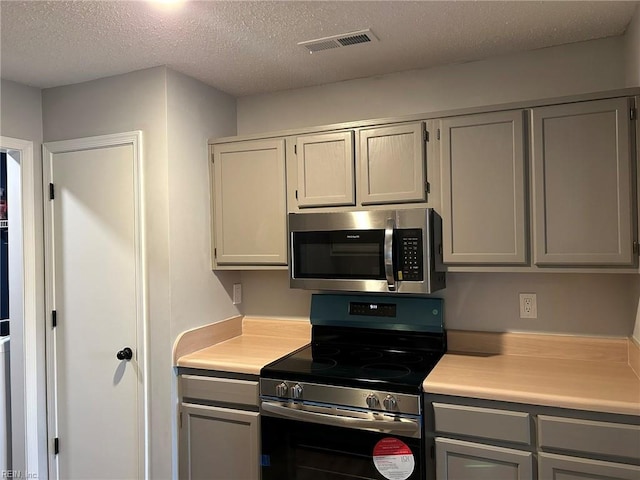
(362, 358)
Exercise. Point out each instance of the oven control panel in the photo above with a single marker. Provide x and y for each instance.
(392, 402)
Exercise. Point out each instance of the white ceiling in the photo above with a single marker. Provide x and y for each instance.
(249, 47)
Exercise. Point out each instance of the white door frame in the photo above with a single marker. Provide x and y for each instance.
(34, 371)
(89, 143)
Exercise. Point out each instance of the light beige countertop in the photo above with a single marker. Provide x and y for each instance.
(240, 345)
(583, 373)
(549, 370)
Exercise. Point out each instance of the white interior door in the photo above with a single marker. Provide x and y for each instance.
(96, 400)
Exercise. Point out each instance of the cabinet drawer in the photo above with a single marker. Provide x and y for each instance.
(600, 438)
(242, 392)
(483, 422)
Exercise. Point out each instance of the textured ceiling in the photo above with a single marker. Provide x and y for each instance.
(249, 47)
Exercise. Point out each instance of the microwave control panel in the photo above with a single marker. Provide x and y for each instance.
(409, 259)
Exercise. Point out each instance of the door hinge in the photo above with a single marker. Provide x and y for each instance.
(635, 247)
(54, 319)
(51, 191)
(633, 113)
(56, 446)
(433, 451)
(295, 149)
(215, 253)
(180, 419)
(438, 135)
(296, 194)
(427, 187)
(425, 135)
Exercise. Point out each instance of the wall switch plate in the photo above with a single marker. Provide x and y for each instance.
(237, 293)
(528, 305)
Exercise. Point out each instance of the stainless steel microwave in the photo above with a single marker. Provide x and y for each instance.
(394, 251)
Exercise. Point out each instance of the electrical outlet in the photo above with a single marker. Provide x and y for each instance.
(528, 305)
(237, 293)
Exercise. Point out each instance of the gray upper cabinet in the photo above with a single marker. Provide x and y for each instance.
(483, 189)
(582, 184)
(391, 161)
(250, 223)
(325, 164)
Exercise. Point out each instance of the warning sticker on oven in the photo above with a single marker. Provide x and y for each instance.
(393, 459)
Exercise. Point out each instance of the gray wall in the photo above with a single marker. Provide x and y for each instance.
(195, 112)
(632, 52)
(135, 101)
(177, 115)
(21, 117)
(582, 304)
(548, 72)
(589, 304)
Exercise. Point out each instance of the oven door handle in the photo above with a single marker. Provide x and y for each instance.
(406, 426)
(388, 254)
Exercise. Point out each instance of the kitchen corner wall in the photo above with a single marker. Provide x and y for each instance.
(583, 304)
(195, 113)
(176, 115)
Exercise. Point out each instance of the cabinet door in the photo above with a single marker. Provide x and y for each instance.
(483, 189)
(392, 164)
(458, 460)
(250, 218)
(559, 467)
(218, 443)
(582, 184)
(325, 170)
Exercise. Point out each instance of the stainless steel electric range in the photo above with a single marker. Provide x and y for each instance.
(350, 404)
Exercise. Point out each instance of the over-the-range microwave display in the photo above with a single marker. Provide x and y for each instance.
(392, 251)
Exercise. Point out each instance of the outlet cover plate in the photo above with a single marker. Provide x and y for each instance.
(237, 293)
(528, 305)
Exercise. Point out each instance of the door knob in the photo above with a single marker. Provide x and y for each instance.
(125, 354)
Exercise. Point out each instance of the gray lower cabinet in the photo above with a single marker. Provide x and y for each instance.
(481, 440)
(219, 435)
(565, 441)
(560, 467)
(509, 458)
(460, 460)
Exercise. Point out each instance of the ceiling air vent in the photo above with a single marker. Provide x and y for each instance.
(336, 41)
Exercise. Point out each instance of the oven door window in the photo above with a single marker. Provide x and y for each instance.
(307, 451)
(348, 254)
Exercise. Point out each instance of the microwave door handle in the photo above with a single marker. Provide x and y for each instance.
(388, 254)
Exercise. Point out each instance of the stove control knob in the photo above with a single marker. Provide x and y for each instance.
(281, 390)
(296, 391)
(390, 402)
(372, 401)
